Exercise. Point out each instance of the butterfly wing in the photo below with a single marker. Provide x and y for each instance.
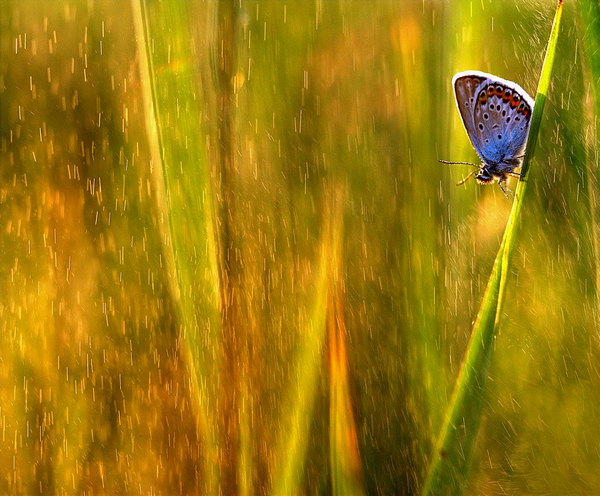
(496, 114)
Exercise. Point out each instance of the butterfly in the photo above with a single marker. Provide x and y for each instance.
(496, 114)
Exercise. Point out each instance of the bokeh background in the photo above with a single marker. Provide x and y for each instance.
(231, 263)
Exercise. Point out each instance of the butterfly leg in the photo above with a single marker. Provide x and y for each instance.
(505, 187)
(463, 181)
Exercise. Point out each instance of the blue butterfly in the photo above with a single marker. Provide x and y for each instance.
(496, 114)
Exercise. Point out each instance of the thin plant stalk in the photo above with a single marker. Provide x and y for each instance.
(291, 453)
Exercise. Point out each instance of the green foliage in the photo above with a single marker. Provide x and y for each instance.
(230, 261)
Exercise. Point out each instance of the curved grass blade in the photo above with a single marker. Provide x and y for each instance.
(453, 452)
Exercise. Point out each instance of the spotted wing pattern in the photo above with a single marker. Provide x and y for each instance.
(496, 114)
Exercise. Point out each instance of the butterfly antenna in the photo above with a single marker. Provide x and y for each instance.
(459, 163)
(463, 181)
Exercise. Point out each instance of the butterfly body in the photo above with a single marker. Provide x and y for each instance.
(496, 114)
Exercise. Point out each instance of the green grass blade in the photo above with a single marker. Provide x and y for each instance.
(295, 424)
(297, 412)
(451, 459)
(182, 191)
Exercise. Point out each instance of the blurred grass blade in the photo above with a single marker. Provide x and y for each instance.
(589, 15)
(182, 190)
(297, 412)
(452, 456)
(346, 470)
